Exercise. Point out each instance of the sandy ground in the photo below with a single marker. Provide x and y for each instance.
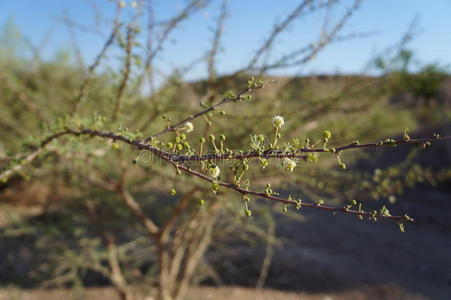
(218, 293)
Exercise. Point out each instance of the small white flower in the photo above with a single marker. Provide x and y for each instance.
(134, 4)
(122, 4)
(189, 127)
(278, 121)
(289, 164)
(214, 171)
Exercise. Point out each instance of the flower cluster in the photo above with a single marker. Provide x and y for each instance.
(289, 164)
(188, 127)
(214, 171)
(278, 121)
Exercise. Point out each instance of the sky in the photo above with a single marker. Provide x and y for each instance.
(246, 26)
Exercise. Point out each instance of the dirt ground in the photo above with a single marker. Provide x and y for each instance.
(219, 293)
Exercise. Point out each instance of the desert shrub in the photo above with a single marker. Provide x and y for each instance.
(151, 177)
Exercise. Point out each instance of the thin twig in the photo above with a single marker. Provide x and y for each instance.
(279, 28)
(237, 97)
(217, 41)
(270, 237)
(87, 80)
(170, 25)
(126, 71)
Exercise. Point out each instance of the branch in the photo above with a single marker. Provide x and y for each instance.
(192, 7)
(236, 98)
(270, 241)
(28, 159)
(314, 49)
(296, 154)
(176, 212)
(134, 206)
(279, 28)
(128, 199)
(175, 160)
(95, 64)
(217, 40)
(297, 204)
(126, 71)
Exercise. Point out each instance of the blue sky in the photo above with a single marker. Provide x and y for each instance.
(248, 23)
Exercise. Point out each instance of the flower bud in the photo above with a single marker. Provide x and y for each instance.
(327, 134)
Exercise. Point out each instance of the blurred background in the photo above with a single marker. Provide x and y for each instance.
(89, 218)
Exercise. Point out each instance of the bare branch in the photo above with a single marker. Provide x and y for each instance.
(182, 204)
(237, 97)
(312, 50)
(125, 72)
(270, 240)
(90, 72)
(217, 40)
(278, 29)
(169, 26)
